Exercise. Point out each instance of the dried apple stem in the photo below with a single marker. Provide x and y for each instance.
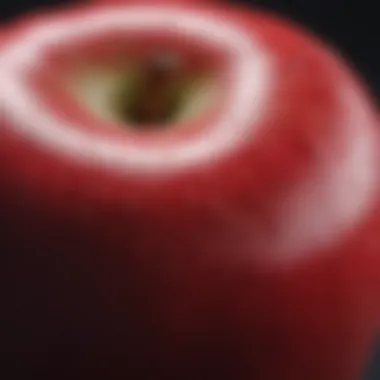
(158, 90)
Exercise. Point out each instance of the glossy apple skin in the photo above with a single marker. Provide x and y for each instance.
(166, 276)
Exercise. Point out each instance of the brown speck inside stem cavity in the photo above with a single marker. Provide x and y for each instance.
(157, 91)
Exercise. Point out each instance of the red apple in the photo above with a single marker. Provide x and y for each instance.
(217, 220)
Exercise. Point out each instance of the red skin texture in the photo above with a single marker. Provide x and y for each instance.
(129, 274)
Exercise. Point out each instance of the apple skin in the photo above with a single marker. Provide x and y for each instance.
(174, 276)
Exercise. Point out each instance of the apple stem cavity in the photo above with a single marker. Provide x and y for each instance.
(151, 93)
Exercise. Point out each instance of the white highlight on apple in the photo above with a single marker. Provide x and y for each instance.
(252, 78)
(340, 193)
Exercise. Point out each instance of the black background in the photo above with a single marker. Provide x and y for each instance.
(351, 26)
